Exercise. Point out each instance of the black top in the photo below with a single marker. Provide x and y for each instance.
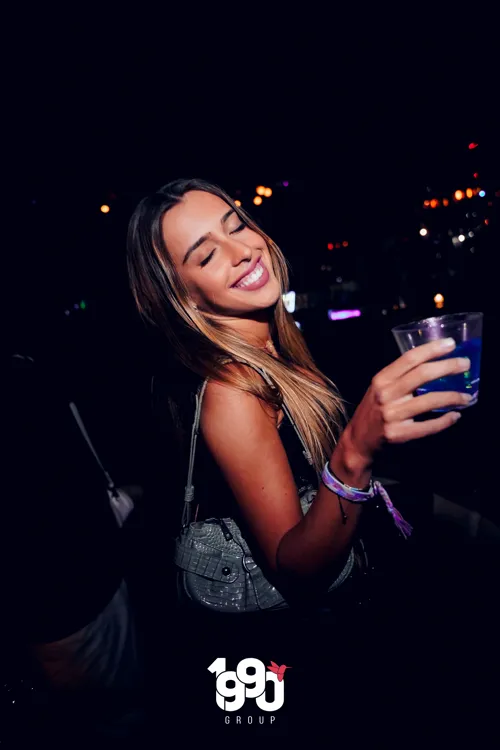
(173, 407)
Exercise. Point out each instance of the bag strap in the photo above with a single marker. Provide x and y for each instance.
(189, 488)
(81, 426)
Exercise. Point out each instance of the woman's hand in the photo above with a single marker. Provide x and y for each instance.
(385, 415)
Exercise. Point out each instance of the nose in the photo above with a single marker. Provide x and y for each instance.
(239, 251)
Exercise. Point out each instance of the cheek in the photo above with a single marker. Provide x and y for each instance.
(258, 241)
(208, 283)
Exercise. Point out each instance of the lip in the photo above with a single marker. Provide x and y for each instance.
(252, 268)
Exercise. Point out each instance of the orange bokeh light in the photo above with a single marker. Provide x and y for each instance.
(469, 192)
(458, 195)
(237, 203)
(105, 209)
(445, 202)
(257, 200)
(434, 203)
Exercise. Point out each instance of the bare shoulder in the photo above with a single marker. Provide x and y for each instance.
(245, 443)
(223, 400)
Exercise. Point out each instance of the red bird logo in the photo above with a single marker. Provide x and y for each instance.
(280, 671)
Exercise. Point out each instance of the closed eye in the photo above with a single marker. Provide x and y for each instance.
(239, 228)
(205, 260)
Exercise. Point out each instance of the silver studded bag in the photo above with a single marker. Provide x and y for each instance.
(216, 568)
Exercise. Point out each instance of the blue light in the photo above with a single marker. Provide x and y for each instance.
(482, 193)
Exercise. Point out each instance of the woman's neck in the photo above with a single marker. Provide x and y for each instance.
(255, 331)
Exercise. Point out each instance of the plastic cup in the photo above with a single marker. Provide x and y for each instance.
(467, 329)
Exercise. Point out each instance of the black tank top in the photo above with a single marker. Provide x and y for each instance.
(374, 540)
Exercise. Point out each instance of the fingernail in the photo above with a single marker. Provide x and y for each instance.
(465, 362)
(447, 343)
(456, 416)
(467, 397)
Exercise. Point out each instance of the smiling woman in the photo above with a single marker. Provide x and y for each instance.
(276, 468)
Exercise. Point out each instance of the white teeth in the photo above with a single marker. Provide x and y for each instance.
(252, 277)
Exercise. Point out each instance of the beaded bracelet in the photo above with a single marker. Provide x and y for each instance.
(354, 495)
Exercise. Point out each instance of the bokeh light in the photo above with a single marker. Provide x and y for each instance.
(105, 209)
(423, 232)
(268, 192)
(260, 190)
(237, 203)
(458, 195)
(257, 200)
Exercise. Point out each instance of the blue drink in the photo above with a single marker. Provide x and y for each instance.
(466, 329)
(464, 382)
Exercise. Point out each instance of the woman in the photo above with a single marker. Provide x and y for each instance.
(206, 275)
(212, 281)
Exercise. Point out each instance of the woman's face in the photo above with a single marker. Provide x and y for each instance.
(225, 265)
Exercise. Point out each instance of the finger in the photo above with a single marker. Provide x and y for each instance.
(425, 373)
(402, 432)
(409, 406)
(414, 357)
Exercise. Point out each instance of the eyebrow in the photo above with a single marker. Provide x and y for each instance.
(205, 237)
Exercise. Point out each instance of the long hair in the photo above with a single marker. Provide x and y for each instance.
(204, 345)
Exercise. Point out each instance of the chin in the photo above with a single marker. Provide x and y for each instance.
(268, 299)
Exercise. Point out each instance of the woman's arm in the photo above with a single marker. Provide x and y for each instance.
(243, 437)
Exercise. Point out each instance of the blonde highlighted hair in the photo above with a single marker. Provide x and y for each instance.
(204, 344)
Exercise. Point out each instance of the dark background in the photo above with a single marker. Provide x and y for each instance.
(364, 126)
(365, 117)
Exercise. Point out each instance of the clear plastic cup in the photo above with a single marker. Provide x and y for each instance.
(467, 330)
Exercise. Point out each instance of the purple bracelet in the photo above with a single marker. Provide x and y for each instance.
(359, 496)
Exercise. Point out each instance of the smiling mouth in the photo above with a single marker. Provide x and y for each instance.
(255, 279)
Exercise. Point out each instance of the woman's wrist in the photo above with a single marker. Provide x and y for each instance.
(349, 465)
